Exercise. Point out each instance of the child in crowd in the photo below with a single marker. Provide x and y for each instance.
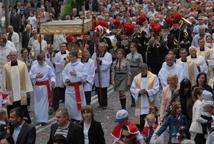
(149, 127)
(174, 120)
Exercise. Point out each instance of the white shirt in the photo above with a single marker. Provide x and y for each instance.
(85, 132)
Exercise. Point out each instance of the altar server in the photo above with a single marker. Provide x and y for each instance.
(43, 78)
(73, 76)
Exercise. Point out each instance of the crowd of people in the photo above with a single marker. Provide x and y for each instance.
(160, 54)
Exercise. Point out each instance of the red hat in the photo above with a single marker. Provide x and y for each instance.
(69, 38)
(129, 27)
(116, 22)
(156, 27)
(178, 16)
(141, 19)
(169, 20)
(101, 23)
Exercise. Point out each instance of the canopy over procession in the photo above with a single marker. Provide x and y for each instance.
(155, 56)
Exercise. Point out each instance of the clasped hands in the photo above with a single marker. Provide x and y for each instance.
(143, 92)
(73, 73)
(39, 75)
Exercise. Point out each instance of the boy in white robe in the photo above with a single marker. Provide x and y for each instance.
(90, 69)
(60, 62)
(43, 78)
(73, 76)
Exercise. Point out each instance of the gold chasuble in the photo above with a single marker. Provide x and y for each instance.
(9, 83)
(149, 85)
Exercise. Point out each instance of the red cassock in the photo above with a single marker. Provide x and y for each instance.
(117, 130)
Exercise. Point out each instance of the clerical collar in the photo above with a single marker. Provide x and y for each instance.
(84, 60)
(14, 63)
(193, 56)
(102, 54)
(143, 75)
(74, 63)
(184, 60)
(202, 49)
(62, 53)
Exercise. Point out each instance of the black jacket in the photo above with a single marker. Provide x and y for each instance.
(27, 134)
(74, 136)
(95, 133)
(25, 39)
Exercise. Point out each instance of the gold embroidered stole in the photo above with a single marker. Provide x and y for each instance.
(206, 53)
(149, 85)
(8, 81)
(190, 70)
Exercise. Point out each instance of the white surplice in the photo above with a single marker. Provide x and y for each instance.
(201, 62)
(185, 67)
(59, 66)
(89, 67)
(166, 70)
(36, 47)
(15, 40)
(16, 92)
(104, 70)
(70, 97)
(41, 92)
(144, 99)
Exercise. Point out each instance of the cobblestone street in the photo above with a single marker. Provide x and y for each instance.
(106, 117)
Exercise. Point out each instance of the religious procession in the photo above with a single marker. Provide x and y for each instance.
(107, 72)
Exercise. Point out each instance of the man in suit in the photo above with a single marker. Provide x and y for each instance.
(21, 132)
(64, 128)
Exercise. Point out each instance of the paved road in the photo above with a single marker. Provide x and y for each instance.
(106, 117)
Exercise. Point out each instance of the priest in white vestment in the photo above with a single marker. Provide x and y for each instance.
(103, 61)
(170, 68)
(144, 88)
(43, 78)
(16, 82)
(73, 77)
(13, 37)
(190, 69)
(198, 60)
(202, 50)
(5, 49)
